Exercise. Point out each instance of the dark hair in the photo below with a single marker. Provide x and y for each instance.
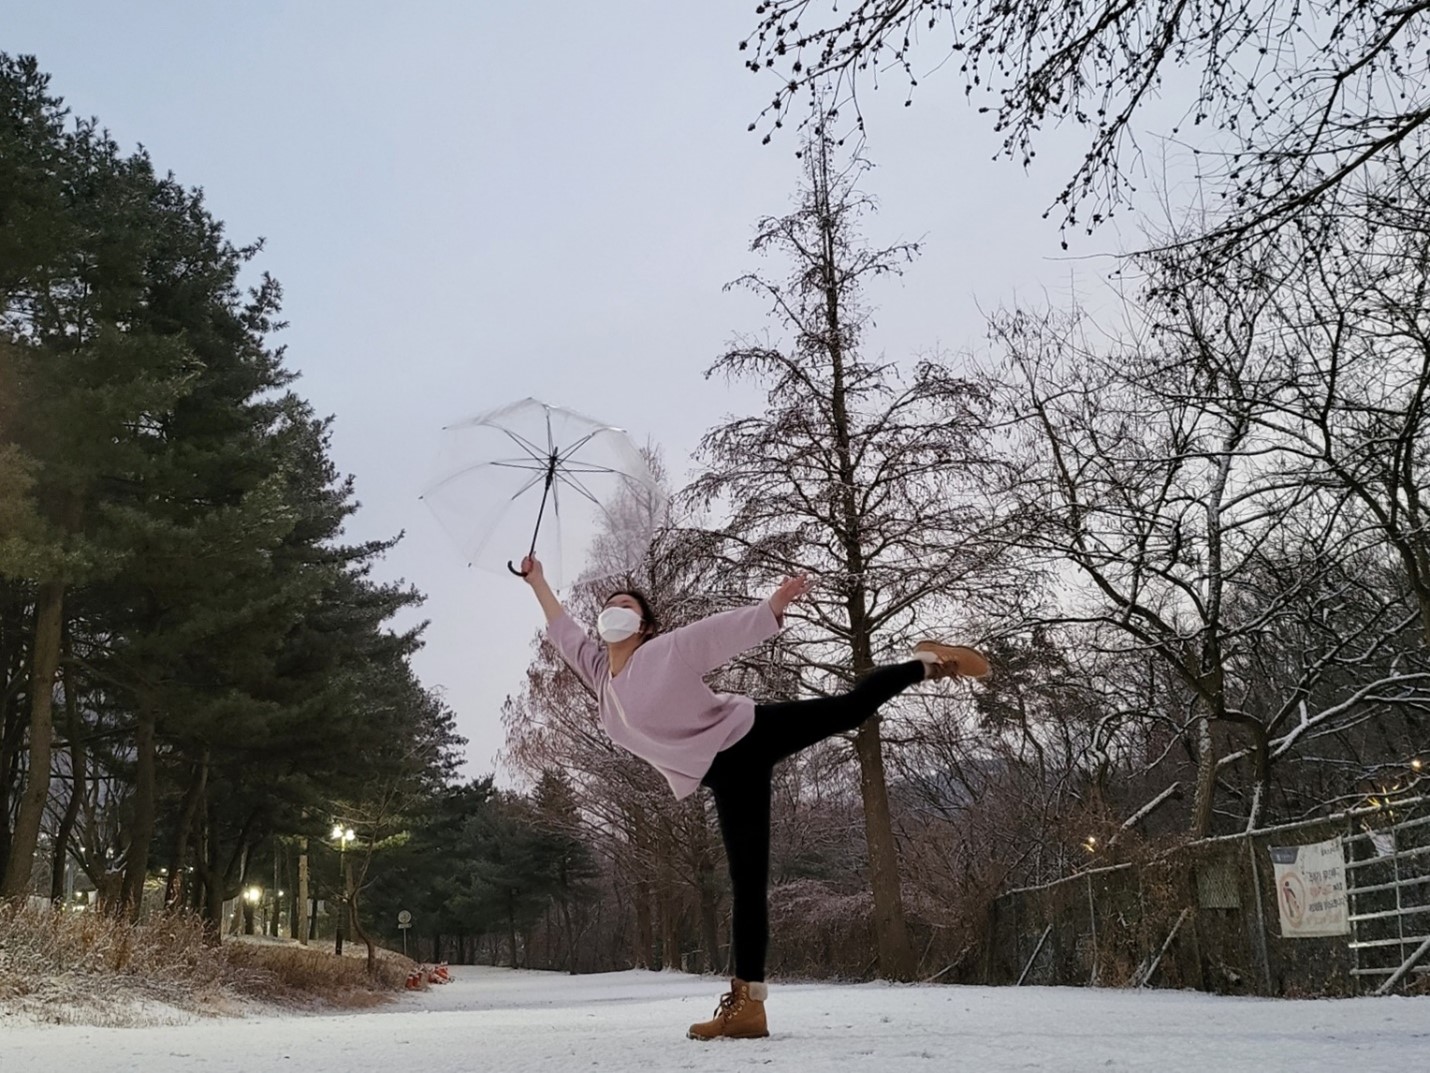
(649, 623)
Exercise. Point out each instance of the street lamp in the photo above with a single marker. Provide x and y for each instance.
(342, 836)
(251, 897)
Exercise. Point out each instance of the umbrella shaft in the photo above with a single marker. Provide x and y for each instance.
(545, 492)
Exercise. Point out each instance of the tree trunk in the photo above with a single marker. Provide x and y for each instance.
(707, 888)
(136, 861)
(188, 816)
(301, 916)
(12, 660)
(49, 622)
(1260, 774)
(277, 887)
(569, 935)
(213, 910)
(211, 878)
(511, 929)
(1206, 779)
(668, 904)
(58, 891)
(645, 931)
(355, 925)
(709, 916)
(896, 952)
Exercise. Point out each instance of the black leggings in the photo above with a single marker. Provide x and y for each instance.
(739, 777)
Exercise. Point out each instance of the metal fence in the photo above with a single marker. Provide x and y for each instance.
(1204, 915)
(1388, 872)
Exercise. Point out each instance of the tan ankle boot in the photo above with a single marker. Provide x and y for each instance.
(950, 661)
(740, 1015)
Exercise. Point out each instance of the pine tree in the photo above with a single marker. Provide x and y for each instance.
(76, 252)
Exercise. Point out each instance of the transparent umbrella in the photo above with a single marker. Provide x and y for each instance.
(530, 478)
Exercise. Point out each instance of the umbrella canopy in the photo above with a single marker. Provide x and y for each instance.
(533, 478)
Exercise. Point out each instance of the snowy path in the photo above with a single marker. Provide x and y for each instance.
(502, 1021)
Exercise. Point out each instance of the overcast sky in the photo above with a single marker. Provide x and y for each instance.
(468, 203)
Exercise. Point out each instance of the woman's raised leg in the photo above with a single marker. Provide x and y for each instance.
(786, 728)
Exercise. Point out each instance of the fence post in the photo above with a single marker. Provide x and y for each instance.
(1092, 915)
(990, 937)
(1028, 967)
(1140, 979)
(1399, 905)
(1260, 915)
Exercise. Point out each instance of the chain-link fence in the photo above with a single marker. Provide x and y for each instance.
(1205, 915)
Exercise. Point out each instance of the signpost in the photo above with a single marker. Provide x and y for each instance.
(404, 922)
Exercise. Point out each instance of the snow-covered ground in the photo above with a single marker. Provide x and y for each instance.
(497, 1020)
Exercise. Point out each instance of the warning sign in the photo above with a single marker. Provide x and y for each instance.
(1311, 889)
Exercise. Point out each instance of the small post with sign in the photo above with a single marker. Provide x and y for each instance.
(404, 921)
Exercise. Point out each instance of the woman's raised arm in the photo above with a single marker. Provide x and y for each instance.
(533, 574)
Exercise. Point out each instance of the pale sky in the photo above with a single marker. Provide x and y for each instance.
(469, 203)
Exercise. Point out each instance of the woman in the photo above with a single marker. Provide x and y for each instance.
(654, 702)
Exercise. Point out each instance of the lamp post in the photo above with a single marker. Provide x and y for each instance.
(251, 897)
(342, 836)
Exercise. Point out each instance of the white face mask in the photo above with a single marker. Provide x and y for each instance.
(617, 623)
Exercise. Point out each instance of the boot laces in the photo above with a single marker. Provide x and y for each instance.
(730, 1004)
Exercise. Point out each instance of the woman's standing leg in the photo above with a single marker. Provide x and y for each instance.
(741, 787)
(742, 805)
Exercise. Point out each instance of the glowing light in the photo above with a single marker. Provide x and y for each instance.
(253, 895)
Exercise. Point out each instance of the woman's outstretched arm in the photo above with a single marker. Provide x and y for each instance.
(583, 655)
(790, 590)
(719, 638)
(533, 574)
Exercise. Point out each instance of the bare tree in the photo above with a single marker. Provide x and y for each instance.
(855, 474)
(1294, 101)
(1348, 332)
(1204, 532)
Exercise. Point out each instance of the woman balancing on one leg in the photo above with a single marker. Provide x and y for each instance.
(654, 702)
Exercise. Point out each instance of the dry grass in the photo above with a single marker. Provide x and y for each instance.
(295, 975)
(68, 967)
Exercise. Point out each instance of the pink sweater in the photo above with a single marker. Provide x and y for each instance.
(659, 706)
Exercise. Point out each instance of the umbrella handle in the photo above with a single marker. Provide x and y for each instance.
(550, 475)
